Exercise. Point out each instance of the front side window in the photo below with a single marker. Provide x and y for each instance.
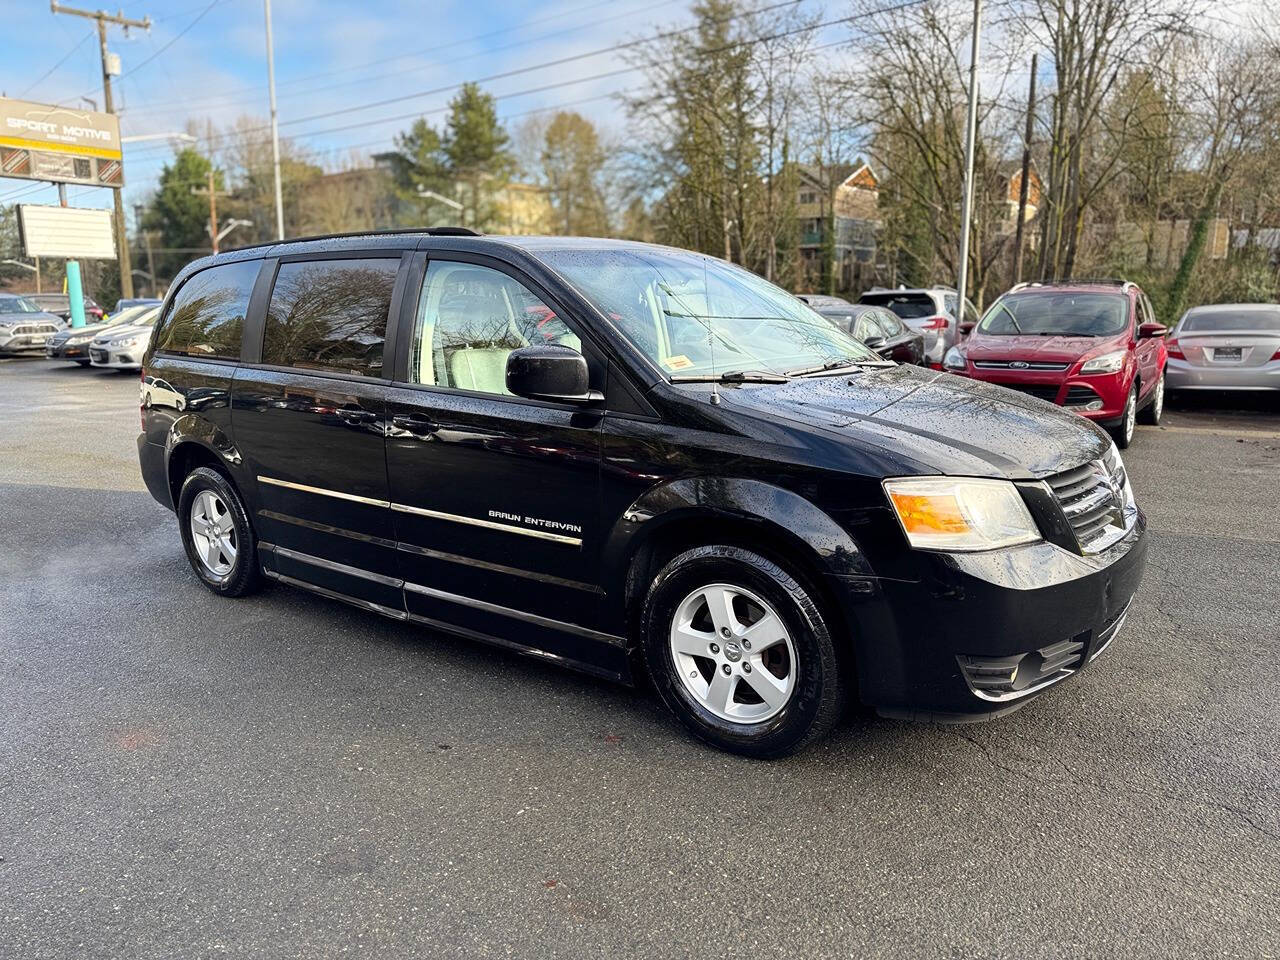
(888, 323)
(693, 315)
(207, 315)
(330, 315)
(1057, 314)
(470, 318)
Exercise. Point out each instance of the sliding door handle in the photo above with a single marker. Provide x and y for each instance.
(419, 424)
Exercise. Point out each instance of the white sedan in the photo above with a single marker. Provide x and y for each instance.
(121, 348)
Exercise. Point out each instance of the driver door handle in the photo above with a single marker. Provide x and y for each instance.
(419, 424)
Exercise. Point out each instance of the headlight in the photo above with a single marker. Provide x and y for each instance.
(954, 359)
(1107, 363)
(960, 513)
(126, 342)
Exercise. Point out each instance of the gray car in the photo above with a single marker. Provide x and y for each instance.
(1225, 346)
(931, 311)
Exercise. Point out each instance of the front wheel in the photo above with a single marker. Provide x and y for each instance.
(1123, 432)
(741, 653)
(216, 533)
(1154, 410)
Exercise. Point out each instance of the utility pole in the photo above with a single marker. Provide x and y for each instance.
(275, 127)
(103, 18)
(1026, 175)
(971, 135)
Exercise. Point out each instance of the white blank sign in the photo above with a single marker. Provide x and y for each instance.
(70, 232)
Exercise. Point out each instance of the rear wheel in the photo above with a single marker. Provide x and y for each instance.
(217, 535)
(740, 652)
(1123, 431)
(1154, 410)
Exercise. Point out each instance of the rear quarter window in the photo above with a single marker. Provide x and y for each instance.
(207, 315)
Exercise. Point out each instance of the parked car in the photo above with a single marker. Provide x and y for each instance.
(72, 343)
(123, 304)
(24, 327)
(818, 300)
(1226, 346)
(121, 348)
(879, 329)
(60, 305)
(1091, 346)
(614, 455)
(930, 311)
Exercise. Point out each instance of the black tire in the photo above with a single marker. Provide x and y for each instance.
(816, 699)
(244, 577)
(1124, 430)
(1154, 410)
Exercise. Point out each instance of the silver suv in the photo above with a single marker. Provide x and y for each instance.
(931, 311)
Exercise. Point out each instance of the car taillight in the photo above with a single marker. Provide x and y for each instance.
(1175, 350)
(936, 323)
(1276, 355)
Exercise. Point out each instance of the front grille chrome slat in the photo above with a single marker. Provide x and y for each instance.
(1093, 501)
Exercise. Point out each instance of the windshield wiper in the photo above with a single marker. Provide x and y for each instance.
(733, 376)
(836, 365)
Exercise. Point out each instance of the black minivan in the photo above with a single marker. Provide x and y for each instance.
(633, 460)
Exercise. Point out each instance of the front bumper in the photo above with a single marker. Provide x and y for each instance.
(983, 633)
(67, 351)
(117, 359)
(1099, 397)
(1181, 375)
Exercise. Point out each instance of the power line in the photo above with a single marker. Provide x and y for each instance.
(176, 37)
(44, 76)
(225, 100)
(226, 95)
(561, 61)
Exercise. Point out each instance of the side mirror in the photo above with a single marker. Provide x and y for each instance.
(966, 327)
(550, 372)
(1149, 331)
(873, 343)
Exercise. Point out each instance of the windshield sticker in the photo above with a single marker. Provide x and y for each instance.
(678, 362)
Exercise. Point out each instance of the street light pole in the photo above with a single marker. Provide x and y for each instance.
(971, 131)
(275, 127)
(103, 18)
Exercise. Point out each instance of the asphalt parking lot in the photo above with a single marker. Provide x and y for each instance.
(281, 776)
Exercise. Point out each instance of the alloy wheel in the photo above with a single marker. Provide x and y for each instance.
(733, 653)
(214, 533)
(1130, 415)
(1157, 402)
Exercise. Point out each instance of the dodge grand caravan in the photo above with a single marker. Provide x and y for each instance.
(633, 460)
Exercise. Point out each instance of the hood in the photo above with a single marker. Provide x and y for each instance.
(1033, 348)
(938, 422)
(89, 329)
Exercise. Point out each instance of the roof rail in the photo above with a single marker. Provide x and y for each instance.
(393, 231)
(1075, 282)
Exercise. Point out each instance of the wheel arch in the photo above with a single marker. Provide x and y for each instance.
(776, 523)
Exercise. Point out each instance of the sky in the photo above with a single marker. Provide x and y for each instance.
(334, 61)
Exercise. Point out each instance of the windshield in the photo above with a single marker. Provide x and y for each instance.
(1233, 321)
(695, 316)
(1057, 314)
(17, 305)
(129, 315)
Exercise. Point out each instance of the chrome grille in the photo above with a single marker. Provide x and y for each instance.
(1093, 498)
(1019, 365)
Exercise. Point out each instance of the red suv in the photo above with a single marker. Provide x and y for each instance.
(1091, 346)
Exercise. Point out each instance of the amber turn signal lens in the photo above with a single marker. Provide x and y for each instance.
(929, 514)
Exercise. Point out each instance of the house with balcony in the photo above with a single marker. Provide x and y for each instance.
(852, 194)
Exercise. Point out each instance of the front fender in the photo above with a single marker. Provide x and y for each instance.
(785, 514)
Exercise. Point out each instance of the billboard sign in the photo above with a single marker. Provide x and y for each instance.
(71, 232)
(39, 141)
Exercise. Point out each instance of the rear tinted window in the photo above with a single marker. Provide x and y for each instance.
(1233, 321)
(330, 315)
(909, 306)
(207, 316)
